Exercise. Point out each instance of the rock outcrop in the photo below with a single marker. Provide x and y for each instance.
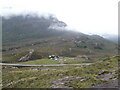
(27, 56)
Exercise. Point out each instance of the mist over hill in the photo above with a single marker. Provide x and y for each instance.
(23, 27)
(114, 38)
(48, 35)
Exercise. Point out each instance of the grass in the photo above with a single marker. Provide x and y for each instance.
(76, 61)
(43, 76)
(41, 61)
(68, 60)
(54, 45)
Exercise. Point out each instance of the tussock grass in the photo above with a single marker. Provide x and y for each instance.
(46, 75)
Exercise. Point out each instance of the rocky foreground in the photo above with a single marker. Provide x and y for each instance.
(101, 74)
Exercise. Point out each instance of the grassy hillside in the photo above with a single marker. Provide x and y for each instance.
(47, 36)
(101, 72)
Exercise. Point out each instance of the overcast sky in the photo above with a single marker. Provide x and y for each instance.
(87, 16)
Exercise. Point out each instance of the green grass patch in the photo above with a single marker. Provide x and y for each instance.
(76, 61)
(41, 61)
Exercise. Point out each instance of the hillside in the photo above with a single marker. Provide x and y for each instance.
(48, 36)
(113, 38)
(102, 74)
(25, 27)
